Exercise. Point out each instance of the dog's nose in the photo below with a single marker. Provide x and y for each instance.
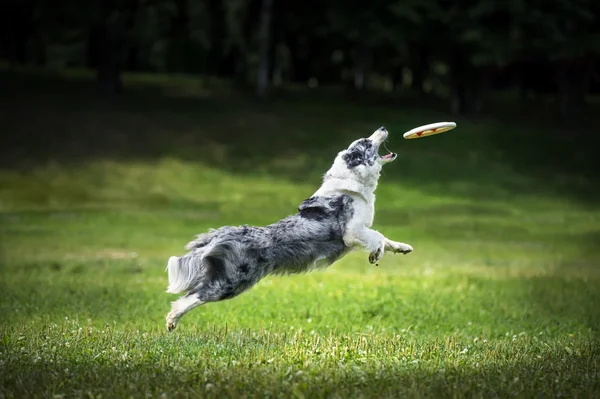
(379, 135)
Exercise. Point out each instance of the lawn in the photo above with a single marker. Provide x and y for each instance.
(500, 297)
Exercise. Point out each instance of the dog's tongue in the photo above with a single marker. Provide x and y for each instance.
(390, 155)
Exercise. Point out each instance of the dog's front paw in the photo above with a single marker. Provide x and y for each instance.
(402, 248)
(376, 255)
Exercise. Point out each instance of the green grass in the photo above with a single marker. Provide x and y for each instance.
(500, 297)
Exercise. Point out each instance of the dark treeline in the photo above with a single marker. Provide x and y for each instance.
(460, 49)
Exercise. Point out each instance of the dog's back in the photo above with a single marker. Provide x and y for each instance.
(313, 237)
(240, 256)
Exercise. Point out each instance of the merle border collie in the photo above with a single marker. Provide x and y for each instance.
(335, 220)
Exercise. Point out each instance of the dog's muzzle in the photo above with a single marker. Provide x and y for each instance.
(379, 136)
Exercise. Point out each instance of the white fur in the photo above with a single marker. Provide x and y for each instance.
(360, 183)
(179, 276)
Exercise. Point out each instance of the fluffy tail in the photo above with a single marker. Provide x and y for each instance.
(184, 273)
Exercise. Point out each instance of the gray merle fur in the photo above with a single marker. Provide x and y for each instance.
(227, 261)
(361, 153)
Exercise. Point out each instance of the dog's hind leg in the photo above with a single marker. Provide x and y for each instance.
(219, 289)
(181, 307)
(203, 293)
(217, 283)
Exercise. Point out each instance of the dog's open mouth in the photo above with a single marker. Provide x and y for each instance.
(389, 157)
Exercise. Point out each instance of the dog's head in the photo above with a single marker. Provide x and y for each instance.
(365, 152)
(361, 160)
(362, 156)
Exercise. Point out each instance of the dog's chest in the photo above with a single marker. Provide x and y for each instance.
(364, 213)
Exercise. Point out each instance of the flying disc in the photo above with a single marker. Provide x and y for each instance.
(429, 130)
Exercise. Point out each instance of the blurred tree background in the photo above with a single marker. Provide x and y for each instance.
(458, 51)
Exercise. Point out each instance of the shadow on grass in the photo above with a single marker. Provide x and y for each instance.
(294, 137)
(557, 375)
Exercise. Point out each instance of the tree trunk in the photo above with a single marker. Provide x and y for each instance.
(217, 34)
(479, 87)
(582, 83)
(301, 56)
(133, 58)
(521, 69)
(468, 84)
(262, 84)
(419, 68)
(92, 47)
(110, 47)
(272, 53)
(458, 98)
(573, 77)
(397, 77)
(178, 49)
(361, 66)
(39, 49)
(131, 49)
(17, 30)
(240, 67)
(458, 89)
(110, 44)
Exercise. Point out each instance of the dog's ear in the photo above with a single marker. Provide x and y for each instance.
(353, 158)
(360, 153)
(313, 208)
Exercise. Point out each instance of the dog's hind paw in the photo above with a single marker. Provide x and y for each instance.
(171, 324)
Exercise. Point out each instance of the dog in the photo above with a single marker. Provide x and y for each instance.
(335, 220)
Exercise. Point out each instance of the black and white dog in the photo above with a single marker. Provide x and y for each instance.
(337, 218)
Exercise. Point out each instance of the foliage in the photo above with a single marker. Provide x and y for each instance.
(327, 41)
